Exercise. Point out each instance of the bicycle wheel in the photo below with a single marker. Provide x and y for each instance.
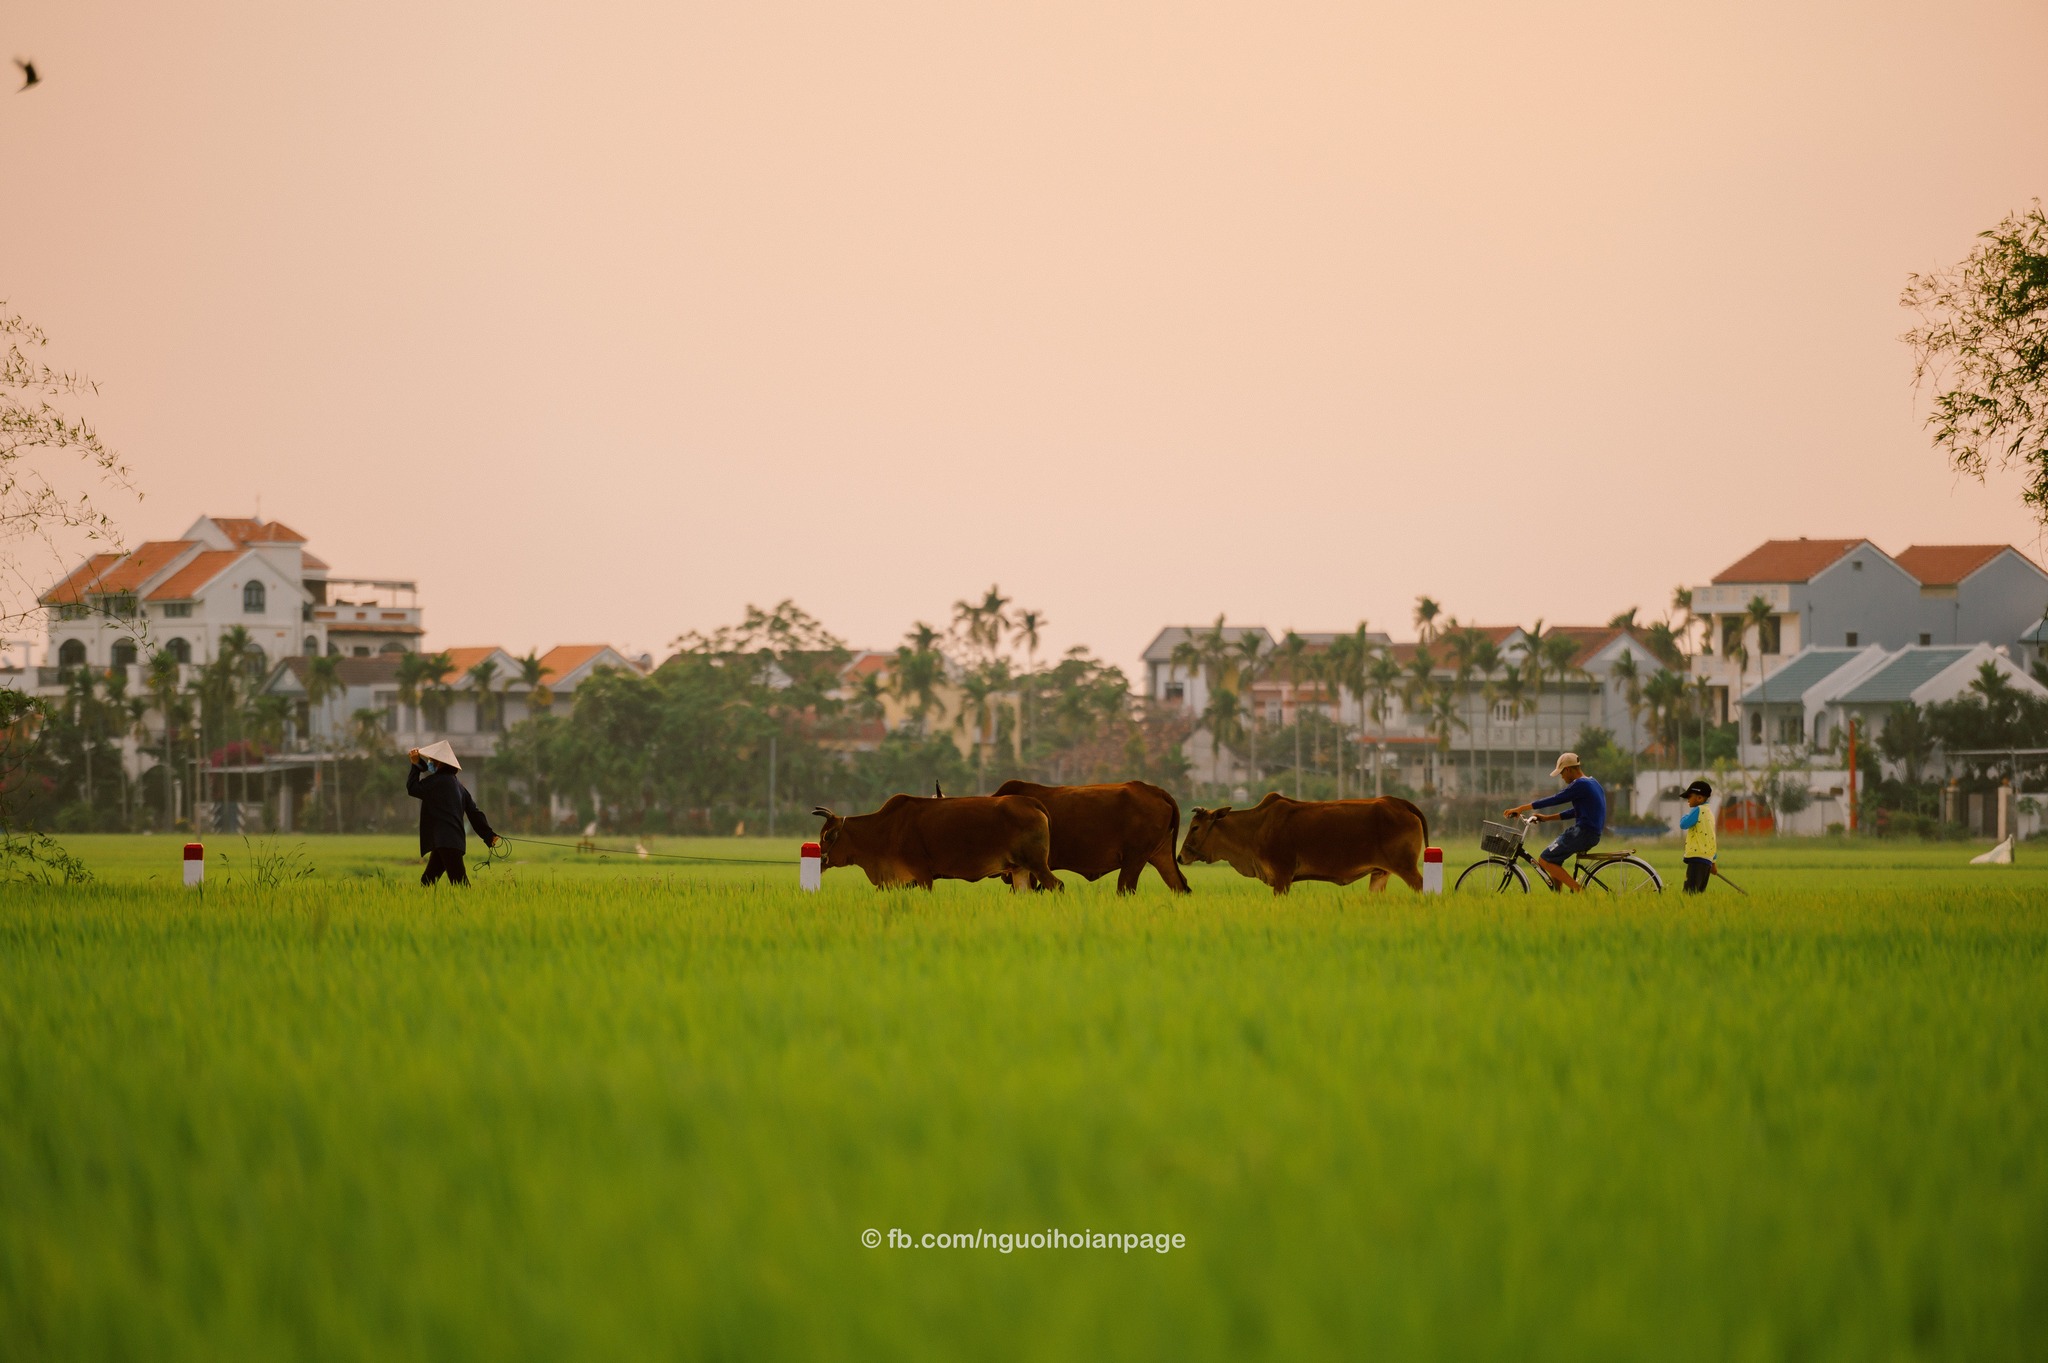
(1495, 875)
(1626, 875)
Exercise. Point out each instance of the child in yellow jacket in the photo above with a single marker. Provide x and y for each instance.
(1701, 847)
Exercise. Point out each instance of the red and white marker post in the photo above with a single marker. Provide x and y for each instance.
(195, 864)
(810, 867)
(1432, 870)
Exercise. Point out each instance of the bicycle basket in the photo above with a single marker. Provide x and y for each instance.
(1499, 839)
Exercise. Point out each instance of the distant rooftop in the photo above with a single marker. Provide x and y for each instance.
(1790, 682)
(1944, 565)
(1797, 560)
(1898, 679)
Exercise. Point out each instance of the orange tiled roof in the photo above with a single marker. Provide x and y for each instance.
(72, 589)
(466, 658)
(310, 561)
(184, 584)
(1786, 560)
(563, 659)
(1944, 565)
(146, 562)
(243, 530)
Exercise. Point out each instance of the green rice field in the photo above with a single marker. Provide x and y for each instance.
(611, 1108)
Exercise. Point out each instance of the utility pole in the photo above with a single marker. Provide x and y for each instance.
(1852, 773)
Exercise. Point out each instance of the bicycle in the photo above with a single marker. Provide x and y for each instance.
(1618, 873)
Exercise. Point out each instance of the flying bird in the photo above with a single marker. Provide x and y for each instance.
(28, 71)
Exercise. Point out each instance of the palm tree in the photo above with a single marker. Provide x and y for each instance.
(1381, 680)
(1361, 659)
(1444, 718)
(412, 675)
(117, 705)
(1426, 612)
(1333, 671)
(1534, 670)
(435, 693)
(1758, 614)
(1291, 659)
(979, 691)
(1486, 660)
(82, 703)
(1512, 688)
(1631, 678)
(1560, 655)
(138, 729)
(162, 686)
(1465, 645)
(1681, 602)
(915, 675)
(1027, 627)
(982, 623)
(1252, 655)
(1701, 696)
(323, 684)
(490, 705)
(268, 715)
(1417, 679)
(1665, 696)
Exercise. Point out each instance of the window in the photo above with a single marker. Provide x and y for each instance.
(73, 610)
(256, 660)
(1791, 728)
(309, 647)
(1855, 565)
(1731, 634)
(124, 653)
(252, 598)
(1176, 692)
(362, 651)
(1756, 726)
(1849, 639)
(1768, 634)
(1926, 639)
(179, 650)
(71, 653)
(178, 610)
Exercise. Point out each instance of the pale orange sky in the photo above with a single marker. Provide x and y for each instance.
(604, 320)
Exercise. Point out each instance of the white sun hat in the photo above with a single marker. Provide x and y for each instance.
(442, 752)
(1570, 759)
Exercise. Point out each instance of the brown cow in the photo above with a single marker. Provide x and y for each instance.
(1099, 829)
(915, 841)
(1281, 841)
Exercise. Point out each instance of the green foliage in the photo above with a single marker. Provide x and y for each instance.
(623, 1112)
(1983, 341)
(1604, 760)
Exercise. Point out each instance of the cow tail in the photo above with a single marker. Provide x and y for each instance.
(1417, 812)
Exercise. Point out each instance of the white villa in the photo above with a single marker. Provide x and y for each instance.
(1850, 594)
(181, 596)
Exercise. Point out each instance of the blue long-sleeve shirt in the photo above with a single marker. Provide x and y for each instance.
(1588, 802)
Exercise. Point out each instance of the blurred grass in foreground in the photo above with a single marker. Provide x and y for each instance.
(628, 1110)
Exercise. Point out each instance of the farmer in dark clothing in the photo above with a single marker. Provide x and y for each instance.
(1589, 819)
(444, 803)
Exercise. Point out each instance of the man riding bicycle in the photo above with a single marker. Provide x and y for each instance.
(1589, 814)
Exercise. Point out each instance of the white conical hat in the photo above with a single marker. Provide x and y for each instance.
(442, 752)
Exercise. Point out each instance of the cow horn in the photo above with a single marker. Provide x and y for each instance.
(821, 812)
